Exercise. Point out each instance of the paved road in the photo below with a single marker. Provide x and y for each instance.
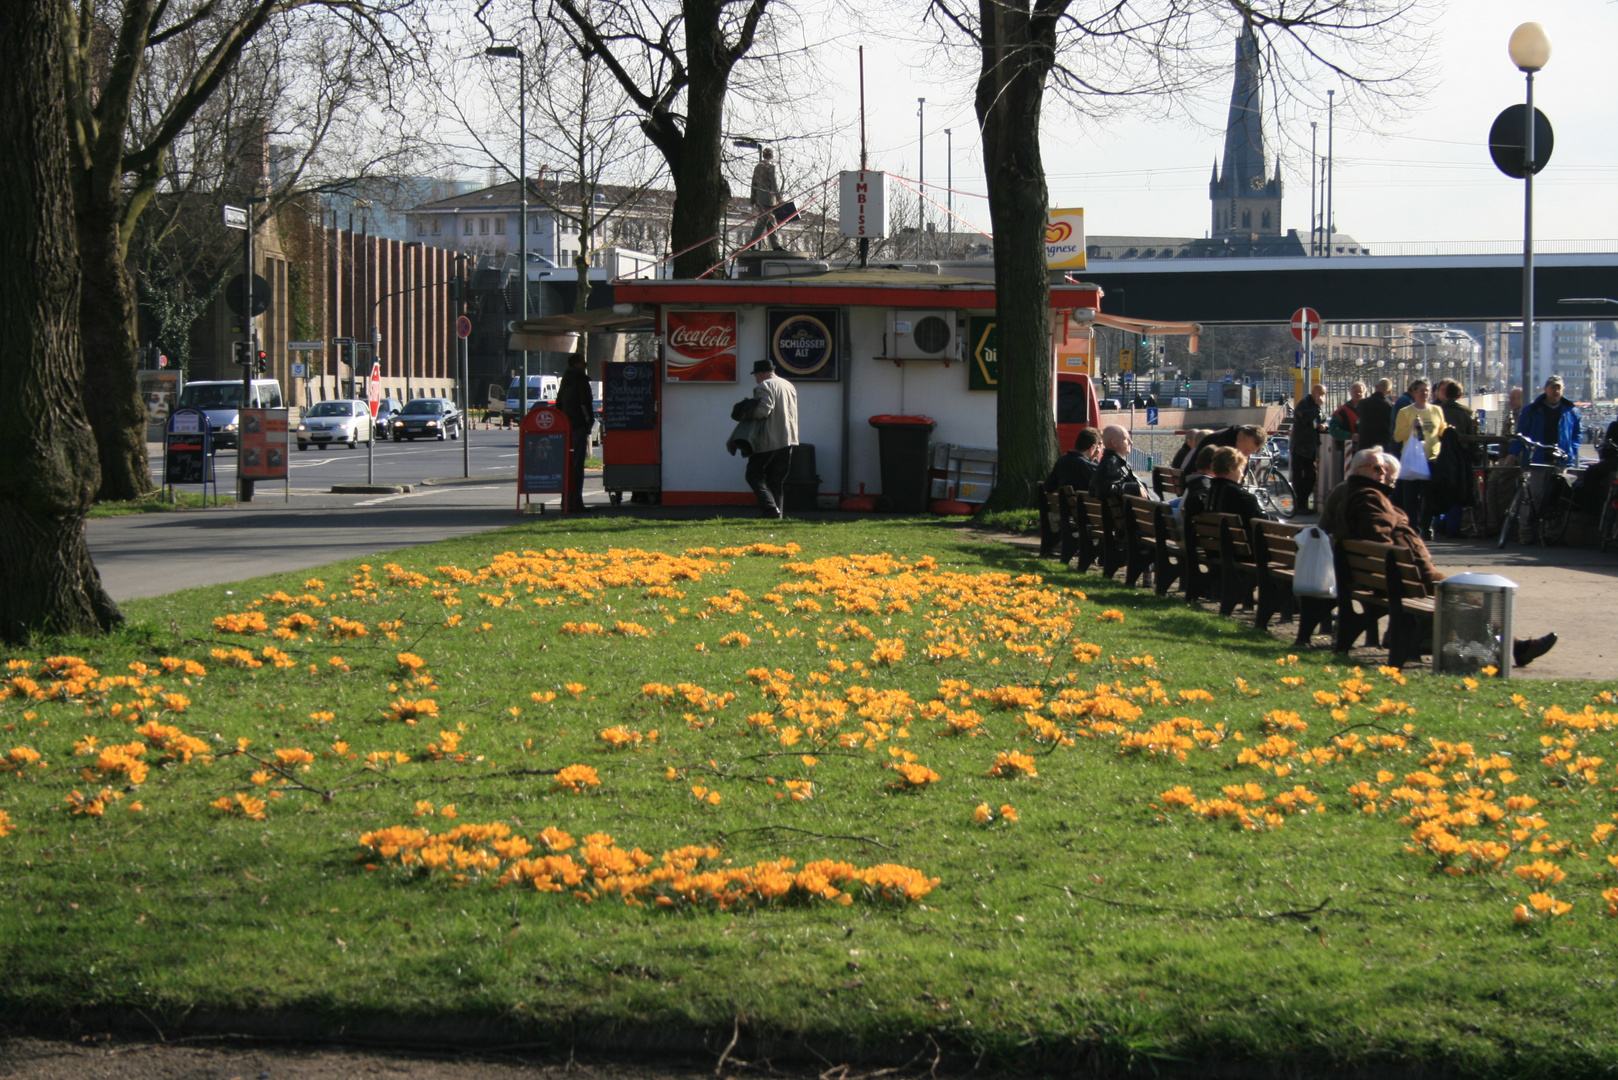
(151, 554)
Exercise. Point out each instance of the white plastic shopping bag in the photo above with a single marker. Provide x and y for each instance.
(1314, 573)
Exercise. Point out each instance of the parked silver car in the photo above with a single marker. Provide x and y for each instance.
(342, 421)
(427, 418)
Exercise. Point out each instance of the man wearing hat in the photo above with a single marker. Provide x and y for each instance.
(776, 411)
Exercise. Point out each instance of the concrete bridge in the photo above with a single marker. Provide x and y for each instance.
(1365, 288)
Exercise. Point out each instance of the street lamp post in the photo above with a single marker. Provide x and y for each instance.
(1530, 49)
(409, 311)
(508, 52)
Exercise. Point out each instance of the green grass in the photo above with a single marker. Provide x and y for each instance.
(1102, 927)
(1020, 522)
(158, 503)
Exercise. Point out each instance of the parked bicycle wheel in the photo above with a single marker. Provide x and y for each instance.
(1608, 530)
(1510, 519)
(1553, 514)
(1278, 492)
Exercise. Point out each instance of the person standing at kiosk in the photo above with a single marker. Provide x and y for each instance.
(775, 411)
(573, 398)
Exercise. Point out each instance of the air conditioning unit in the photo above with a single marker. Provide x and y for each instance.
(923, 335)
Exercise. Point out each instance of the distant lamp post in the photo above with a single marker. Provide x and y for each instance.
(510, 52)
(1530, 49)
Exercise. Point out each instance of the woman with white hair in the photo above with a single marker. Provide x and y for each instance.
(1363, 508)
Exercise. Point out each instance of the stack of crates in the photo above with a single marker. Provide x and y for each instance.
(969, 471)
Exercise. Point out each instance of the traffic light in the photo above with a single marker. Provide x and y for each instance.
(262, 363)
(1145, 344)
(1186, 385)
(240, 351)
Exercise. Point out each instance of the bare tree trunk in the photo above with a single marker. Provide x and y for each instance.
(701, 194)
(107, 326)
(48, 470)
(1018, 49)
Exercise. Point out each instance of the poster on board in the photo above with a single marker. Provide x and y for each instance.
(263, 451)
(803, 344)
(701, 346)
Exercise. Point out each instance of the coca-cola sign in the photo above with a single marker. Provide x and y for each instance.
(701, 346)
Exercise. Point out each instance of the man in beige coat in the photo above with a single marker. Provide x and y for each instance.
(776, 411)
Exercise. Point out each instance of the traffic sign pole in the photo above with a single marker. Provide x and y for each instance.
(373, 394)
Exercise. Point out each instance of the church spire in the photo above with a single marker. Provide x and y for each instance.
(1246, 200)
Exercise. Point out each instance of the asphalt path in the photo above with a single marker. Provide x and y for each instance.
(301, 525)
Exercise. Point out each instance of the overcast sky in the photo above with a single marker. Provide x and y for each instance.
(1430, 180)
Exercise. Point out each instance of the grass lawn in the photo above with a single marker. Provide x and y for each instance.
(158, 503)
(850, 786)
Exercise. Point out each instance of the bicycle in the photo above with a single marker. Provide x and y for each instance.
(1274, 490)
(1549, 517)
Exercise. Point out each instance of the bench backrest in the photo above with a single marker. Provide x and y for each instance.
(1275, 543)
(1215, 535)
(1167, 481)
(1381, 570)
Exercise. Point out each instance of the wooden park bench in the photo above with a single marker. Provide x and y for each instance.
(1275, 551)
(1168, 481)
(1383, 580)
(1221, 544)
(1155, 541)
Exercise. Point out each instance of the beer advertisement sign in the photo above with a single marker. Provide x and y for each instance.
(803, 344)
(700, 346)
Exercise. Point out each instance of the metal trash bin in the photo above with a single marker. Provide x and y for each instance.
(902, 441)
(1472, 624)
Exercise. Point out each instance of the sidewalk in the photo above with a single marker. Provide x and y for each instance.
(1572, 592)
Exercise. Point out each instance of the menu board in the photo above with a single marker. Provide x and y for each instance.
(263, 453)
(188, 449)
(630, 402)
(544, 453)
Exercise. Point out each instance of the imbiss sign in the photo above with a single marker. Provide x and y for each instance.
(863, 204)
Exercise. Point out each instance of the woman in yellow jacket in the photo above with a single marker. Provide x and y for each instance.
(1417, 427)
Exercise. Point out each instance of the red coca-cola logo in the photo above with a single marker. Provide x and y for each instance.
(701, 346)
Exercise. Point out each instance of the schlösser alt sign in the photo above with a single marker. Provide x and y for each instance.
(863, 204)
(803, 344)
(1064, 240)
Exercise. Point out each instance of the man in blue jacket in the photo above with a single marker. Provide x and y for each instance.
(1550, 419)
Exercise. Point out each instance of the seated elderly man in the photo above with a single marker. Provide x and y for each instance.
(1362, 508)
(1114, 477)
(1248, 438)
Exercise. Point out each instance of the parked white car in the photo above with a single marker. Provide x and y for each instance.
(336, 421)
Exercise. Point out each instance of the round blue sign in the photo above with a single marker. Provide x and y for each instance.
(802, 345)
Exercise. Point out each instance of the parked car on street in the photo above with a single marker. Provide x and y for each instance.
(386, 410)
(427, 418)
(1109, 404)
(339, 421)
(1280, 450)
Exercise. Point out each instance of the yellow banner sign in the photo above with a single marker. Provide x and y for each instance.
(1064, 240)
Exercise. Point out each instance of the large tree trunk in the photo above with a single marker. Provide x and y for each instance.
(107, 323)
(1016, 57)
(701, 194)
(48, 469)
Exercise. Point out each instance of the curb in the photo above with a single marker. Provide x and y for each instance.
(370, 489)
(451, 481)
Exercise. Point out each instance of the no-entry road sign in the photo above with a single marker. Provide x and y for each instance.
(1305, 324)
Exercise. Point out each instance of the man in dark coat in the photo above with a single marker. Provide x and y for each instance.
(1114, 477)
(574, 400)
(1308, 421)
(1074, 469)
(1376, 419)
(1248, 438)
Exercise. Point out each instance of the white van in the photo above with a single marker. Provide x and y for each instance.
(541, 391)
(222, 399)
(1181, 403)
